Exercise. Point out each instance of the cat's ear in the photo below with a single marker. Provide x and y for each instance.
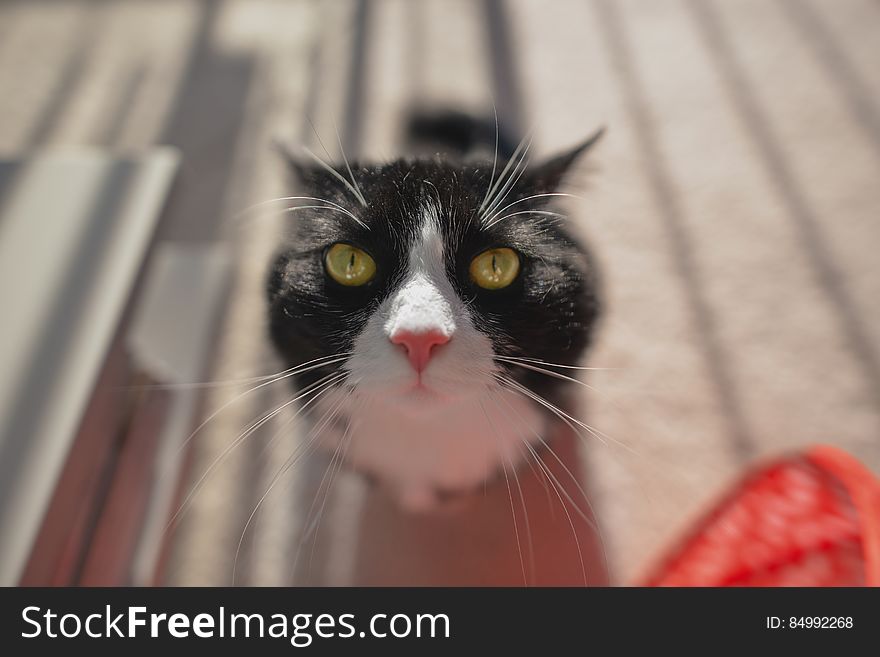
(547, 176)
(303, 169)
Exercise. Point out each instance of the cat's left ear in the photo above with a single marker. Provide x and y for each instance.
(547, 176)
(303, 166)
(302, 172)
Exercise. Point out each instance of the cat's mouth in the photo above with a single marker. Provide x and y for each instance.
(420, 392)
(414, 395)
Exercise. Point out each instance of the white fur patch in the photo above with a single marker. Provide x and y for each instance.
(425, 300)
(456, 429)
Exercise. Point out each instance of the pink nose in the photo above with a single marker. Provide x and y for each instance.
(419, 345)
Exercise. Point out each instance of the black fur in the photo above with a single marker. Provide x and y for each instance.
(548, 313)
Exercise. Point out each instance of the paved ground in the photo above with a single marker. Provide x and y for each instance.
(734, 205)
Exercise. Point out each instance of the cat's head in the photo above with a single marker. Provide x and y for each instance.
(425, 275)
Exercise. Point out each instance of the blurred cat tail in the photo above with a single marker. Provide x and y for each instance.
(456, 132)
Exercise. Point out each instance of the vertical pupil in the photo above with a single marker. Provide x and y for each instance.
(351, 261)
(494, 263)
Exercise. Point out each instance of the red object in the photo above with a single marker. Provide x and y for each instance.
(812, 519)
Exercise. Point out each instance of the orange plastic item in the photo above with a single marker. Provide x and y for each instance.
(812, 519)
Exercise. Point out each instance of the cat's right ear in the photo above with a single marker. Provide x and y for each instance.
(547, 176)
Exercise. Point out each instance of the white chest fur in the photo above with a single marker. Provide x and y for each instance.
(453, 447)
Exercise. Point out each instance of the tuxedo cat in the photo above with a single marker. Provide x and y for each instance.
(432, 311)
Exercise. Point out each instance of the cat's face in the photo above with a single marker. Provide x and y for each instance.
(426, 285)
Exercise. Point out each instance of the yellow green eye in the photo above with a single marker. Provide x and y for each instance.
(349, 265)
(495, 268)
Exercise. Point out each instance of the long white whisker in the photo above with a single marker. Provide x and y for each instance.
(565, 417)
(494, 159)
(557, 486)
(528, 365)
(504, 171)
(541, 370)
(522, 499)
(298, 453)
(300, 369)
(505, 190)
(603, 437)
(319, 389)
(519, 158)
(528, 526)
(541, 212)
(269, 444)
(592, 522)
(222, 383)
(509, 495)
(336, 175)
(328, 207)
(319, 427)
(262, 204)
(311, 517)
(347, 166)
(568, 471)
(549, 364)
(514, 177)
(346, 441)
(324, 207)
(490, 221)
(320, 141)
